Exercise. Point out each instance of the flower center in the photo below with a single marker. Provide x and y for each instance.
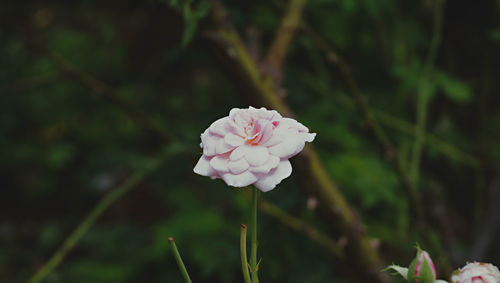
(252, 134)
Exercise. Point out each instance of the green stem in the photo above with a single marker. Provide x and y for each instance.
(424, 94)
(90, 219)
(178, 258)
(253, 255)
(243, 253)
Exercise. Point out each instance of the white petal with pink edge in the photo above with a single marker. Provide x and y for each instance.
(203, 167)
(238, 153)
(257, 155)
(284, 149)
(271, 163)
(240, 180)
(219, 127)
(222, 147)
(220, 164)
(269, 181)
(209, 144)
(234, 140)
(239, 166)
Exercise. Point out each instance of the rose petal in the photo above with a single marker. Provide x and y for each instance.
(285, 148)
(269, 181)
(307, 137)
(238, 153)
(234, 140)
(234, 128)
(240, 117)
(209, 143)
(271, 163)
(203, 167)
(266, 132)
(310, 137)
(240, 180)
(219, 164)
(222, 147)
(292, 123)
(275, 139)
(256, 155)
(239, 166)
(219, 127)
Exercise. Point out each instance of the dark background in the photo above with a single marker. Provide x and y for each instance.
(92, 91)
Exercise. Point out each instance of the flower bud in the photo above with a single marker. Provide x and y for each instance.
(422, 268)
(476, 272)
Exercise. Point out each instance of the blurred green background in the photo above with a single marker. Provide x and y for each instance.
(91, 92)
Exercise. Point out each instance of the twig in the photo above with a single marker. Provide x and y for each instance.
(387, 145)
(27, 84)
(444, 147)
(424, 94)
(403, 126)
(372, 124)
(318, 180)
(102, 89)
(90, 219)
(291, 20)
(300, 226)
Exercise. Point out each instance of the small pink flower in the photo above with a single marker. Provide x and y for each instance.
(251, 146)
(477, 272)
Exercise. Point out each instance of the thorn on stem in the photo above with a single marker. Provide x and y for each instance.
(170, 238)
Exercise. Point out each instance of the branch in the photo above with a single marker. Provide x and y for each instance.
(401, 125)
(300, 226)
(27, 84)
(102, 89)
(289, 24)
(316, 179)
(444, 147)
(372, 124)
(90, 219)
(386, 144)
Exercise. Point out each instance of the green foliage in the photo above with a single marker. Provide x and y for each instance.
(357, 172)
(453, 88)
(64, 144)
(192, 15)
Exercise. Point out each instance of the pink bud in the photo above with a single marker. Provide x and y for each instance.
(422, 268)
(421, 257)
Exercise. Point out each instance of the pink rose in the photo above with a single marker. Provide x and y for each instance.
(476, 272)
(251, 146)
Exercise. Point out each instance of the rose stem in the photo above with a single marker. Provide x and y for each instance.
(178, 258)
(243, 252)
(253, 255)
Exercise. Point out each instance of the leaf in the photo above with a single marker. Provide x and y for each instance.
(455, 89)
(189, 31)
(495, 34)
(201, 10)
(403, 271)
(186, 11)
(173, 3)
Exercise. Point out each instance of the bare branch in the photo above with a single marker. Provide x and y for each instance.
(289, 24)
(337, 210)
